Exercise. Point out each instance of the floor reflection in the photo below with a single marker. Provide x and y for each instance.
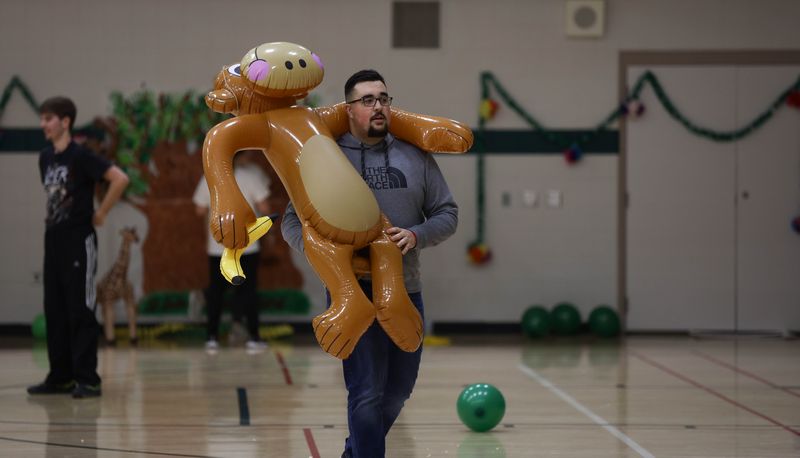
(71, 425)
(481, 445)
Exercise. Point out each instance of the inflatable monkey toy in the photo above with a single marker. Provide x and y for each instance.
(339, 212)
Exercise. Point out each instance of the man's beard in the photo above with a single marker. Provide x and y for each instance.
(375, 132)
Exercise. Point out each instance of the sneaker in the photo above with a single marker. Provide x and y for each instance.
(212, 346)
(50, 388)
(255, 346)
(86, 391)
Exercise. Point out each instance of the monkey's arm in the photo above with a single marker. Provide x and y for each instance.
(335, 118)
(429, 133)
(230, 212)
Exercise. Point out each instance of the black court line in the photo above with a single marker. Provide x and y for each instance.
(244, 410)
(105, 449)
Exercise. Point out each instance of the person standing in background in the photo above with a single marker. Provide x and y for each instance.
(69, 173)
(255, 188)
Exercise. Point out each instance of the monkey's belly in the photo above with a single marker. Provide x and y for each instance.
(334, 188)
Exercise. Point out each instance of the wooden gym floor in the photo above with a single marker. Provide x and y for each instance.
(639, 397)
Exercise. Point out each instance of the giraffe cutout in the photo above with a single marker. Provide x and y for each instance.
(115, 286)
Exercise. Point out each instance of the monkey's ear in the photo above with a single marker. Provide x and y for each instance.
(221, 101)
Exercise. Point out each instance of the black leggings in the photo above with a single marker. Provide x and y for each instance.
(245, 298)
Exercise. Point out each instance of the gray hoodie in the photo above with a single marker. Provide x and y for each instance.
(410, 190)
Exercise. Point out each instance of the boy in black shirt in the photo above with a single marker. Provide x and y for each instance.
(69, 173)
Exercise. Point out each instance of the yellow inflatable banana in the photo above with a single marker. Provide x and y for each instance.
(229, 264)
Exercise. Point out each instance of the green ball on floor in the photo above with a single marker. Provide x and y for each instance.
(536, 321)
(604, 321)
(39, 327)
(566, 319)
(481, 406)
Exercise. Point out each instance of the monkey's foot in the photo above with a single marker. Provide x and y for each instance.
(400, 319)
(339, 328)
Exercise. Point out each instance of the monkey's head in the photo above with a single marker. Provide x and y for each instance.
(269, 76)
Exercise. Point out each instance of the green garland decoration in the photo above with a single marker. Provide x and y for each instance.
(16, 83)
(717, 136)
(477, 251)
(560, 141)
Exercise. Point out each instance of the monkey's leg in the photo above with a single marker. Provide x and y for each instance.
(395, 311)
(350, 314)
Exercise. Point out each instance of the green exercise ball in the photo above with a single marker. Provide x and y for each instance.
(604, 321)
(536, 321)
(39, 327)
(481, 406)
(566, 320)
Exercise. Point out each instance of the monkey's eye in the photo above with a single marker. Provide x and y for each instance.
(235, 70)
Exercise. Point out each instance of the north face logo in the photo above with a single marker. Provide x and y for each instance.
(383, 178)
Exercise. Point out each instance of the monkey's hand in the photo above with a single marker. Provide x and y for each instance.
(452, 137)
(229, 265)
(230, 217)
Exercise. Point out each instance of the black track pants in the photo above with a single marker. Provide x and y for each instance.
(70, 265)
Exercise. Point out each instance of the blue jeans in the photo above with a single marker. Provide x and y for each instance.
(379, 378)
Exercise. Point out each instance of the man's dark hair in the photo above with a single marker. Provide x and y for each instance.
(359, 77)
(61, 107)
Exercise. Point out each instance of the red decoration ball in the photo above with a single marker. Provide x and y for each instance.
(479, 253)
(488, 109)
(635, 109)
(793, 100)
(573, 154)
(493, 106)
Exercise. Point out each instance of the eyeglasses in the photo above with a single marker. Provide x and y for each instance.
(370, 100)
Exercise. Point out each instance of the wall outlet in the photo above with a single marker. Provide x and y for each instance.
(554, 198)
(505, 199)
(530, 198)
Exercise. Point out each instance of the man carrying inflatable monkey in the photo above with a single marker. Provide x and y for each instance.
(412, 193)
(364, 206)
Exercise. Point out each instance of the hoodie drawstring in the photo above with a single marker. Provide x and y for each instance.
(363, 148)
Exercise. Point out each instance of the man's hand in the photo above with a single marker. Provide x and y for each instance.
(405, 239)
